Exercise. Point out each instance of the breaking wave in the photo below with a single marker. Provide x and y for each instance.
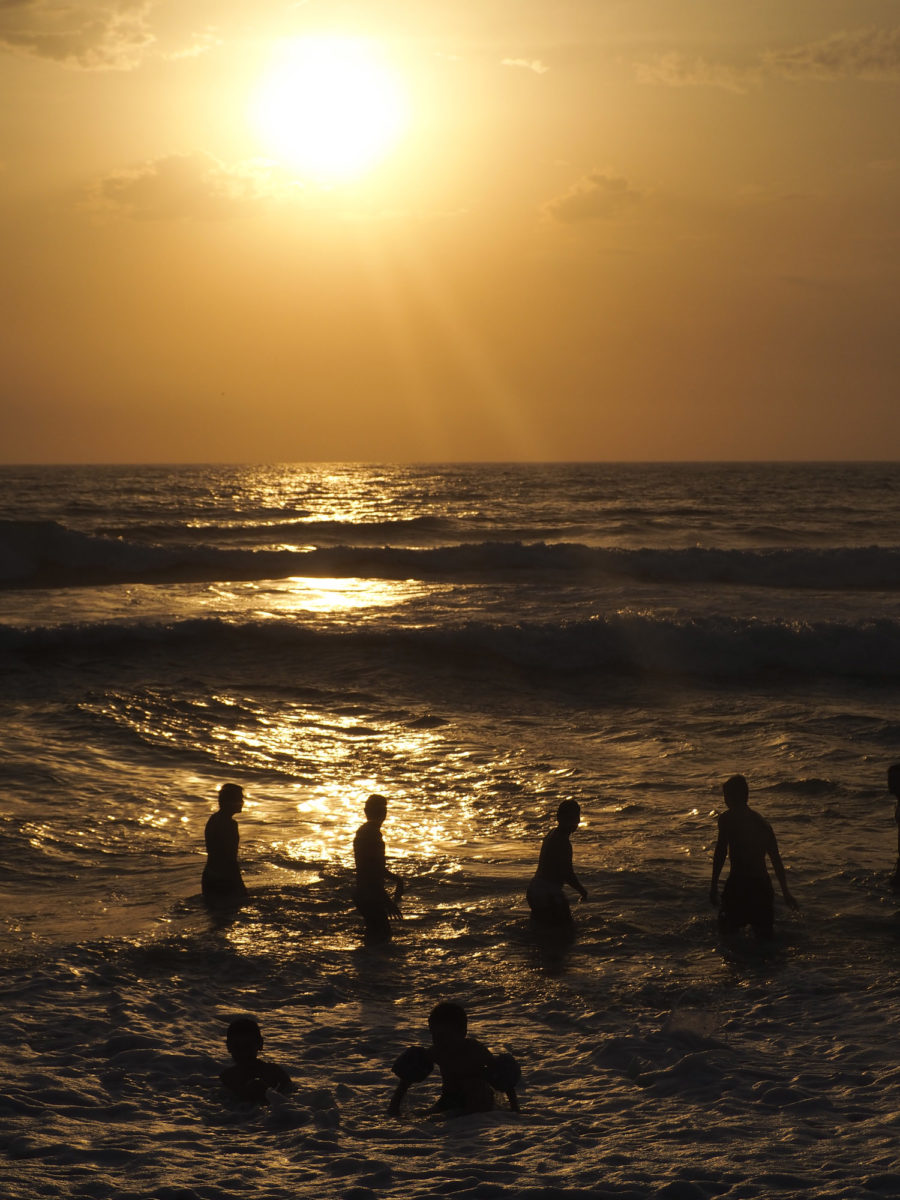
(636, 644)
(47, 554)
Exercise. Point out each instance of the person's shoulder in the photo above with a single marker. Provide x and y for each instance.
(478, 1048)
(759, 819)
(762, 824)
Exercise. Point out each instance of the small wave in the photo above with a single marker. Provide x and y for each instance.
(807, 787)
(48, 554)
(295, 529)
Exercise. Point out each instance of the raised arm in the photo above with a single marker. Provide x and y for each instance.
(397, 1099)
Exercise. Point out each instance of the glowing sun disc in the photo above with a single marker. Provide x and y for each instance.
(329, 106)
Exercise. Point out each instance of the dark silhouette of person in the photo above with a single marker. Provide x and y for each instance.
(469, 1072)
(249, 1078)
(371, 899)
(545, 894)
(747, 839)
(894, 788)
(222, 875)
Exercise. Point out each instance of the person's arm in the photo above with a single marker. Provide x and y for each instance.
(780, 874)
(569, 871)
(397, 881)
(572, 880)
(397, 1099)
(719, 855)
(282, 1082)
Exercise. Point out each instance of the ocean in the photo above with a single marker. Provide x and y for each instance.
(476, 643)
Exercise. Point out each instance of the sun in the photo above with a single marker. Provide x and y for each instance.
(330, 106)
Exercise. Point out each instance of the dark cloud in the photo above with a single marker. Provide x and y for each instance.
(92, 34)
(184, 187)
(596, 197)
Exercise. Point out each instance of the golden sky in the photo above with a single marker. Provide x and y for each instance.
(238, 230)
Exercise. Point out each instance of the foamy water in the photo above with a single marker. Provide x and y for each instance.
(476, 643)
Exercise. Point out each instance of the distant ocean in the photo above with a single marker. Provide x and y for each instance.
(476, 643)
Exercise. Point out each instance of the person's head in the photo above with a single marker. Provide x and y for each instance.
(447, 1022)
(735, 790)
(231, 798)
(894, 780)
(568, 815)
(243, 1039)
(376, 809)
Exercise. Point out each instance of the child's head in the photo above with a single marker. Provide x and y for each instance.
(568, 815)
(448, 1022)
(894, 780)
(376, 809)
(735, 791)
(243, 1039)
(231, 798)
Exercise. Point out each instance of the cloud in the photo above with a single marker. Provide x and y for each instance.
(92, 34)
(529, 64)
(596, 197)
(186, 187)
(677, 70)
(872, 54)
(868, 54)
(201, 43)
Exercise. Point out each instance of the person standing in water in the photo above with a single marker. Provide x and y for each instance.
(222, 873)
(545, 894)
(894, 789)
(747, 840)
(371, 899)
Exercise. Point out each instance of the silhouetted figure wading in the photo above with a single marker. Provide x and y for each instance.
(746, 839)
(545, 894)
(371, 899)
(222, 874)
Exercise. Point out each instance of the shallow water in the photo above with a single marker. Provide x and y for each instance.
(476, 643)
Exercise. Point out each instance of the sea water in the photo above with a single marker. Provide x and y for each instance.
(476, 643)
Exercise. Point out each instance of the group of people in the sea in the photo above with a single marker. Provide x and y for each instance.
(470, 1074)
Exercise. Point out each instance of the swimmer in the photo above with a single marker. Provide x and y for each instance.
(469, 1072)
(378, 909)
(545, 894)
(747, 840)
(250, 1078)
(222, 874)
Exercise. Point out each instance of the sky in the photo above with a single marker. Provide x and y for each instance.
(440, 230)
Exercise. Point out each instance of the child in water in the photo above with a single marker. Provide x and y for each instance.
(249, 1078)
(469, 1072)
(545, 894)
